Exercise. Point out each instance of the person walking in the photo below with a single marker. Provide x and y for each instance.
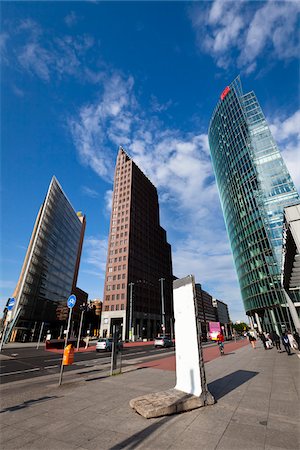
(220, 342)
(292, 341)
(252, 340)
(276, 340)
(297, 339)
(263, 340)
(286, 343)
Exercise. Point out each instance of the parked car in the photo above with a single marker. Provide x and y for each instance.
(106, 344)
(163, 341)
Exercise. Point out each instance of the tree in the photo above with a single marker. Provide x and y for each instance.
(240, 327)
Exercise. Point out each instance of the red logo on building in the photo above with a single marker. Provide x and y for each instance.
(225, 92)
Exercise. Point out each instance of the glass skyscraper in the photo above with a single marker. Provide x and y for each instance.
(50, 268)
(254, 186)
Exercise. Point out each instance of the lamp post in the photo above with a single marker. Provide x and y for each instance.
(162, 304)
(130, 311)
(82, 308)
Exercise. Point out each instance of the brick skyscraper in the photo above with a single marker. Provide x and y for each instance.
(139, 258)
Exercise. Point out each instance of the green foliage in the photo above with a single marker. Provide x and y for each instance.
(240, 327)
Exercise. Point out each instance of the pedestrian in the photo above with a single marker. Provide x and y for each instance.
(297, 339)
(252, 340)
(263, 340)
(286, 343)
(220, 341)
(276, 340)
(293, 343)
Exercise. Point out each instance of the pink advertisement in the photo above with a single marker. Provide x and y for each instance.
(214, 330)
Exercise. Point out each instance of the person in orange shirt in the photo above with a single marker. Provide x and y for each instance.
(220, 341)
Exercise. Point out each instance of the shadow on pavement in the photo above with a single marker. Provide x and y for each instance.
(27, 404)
(223, 386)
(136, 439)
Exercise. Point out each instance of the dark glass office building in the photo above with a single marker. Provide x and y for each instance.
(139, 264)
(50, 269)
(254, 187)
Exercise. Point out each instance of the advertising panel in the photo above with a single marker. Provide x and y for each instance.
(214, 330)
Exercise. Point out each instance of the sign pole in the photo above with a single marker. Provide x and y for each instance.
(3, 336)
(66, 341)
(71, 302)
(79, 334)
(10, 305)
(40, 335)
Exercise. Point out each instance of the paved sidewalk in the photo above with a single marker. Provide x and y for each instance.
(257, 407)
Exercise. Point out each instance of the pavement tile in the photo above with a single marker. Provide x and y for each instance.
(76, 435)
(256, 402)
(17, 416)
(233, 444)
(252, 434)
(203, 424)
(285, 407)
(278, 439)
(284, 423)
(8, 432)
(20, 442)
(250, 416)
(50, 444)
(188, 441)
(108, 440)
(283, 395)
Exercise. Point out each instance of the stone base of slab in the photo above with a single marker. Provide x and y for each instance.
(168, 402)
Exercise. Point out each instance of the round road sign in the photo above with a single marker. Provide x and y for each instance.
(71, 301)
(11, 304)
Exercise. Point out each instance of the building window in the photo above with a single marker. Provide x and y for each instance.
(122, 306)
(107, 298)
(112, 308)
(117, 307)
(106, 308)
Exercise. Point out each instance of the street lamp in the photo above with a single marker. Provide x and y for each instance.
(162, 303)
(130, 312)
(83, 309)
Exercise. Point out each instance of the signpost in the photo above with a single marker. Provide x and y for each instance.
(71, 303)
(40, 335)
(10, 305)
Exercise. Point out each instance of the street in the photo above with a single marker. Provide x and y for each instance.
(25, 363)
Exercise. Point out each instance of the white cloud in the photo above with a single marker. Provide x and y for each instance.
(95, 253)
(156, 106)
(108, 201)
(177, 163)
(89, 192)
(47, 56)
(104, 124)
(286, 132)
(36, 60)
(71, 19)
(239, 33)
(6, 284)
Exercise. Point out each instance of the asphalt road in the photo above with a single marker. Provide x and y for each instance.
(26, 363)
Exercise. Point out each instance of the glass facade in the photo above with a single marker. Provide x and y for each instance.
(254, 186)
(47, 275)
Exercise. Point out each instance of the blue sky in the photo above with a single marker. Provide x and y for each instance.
(79, 79)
